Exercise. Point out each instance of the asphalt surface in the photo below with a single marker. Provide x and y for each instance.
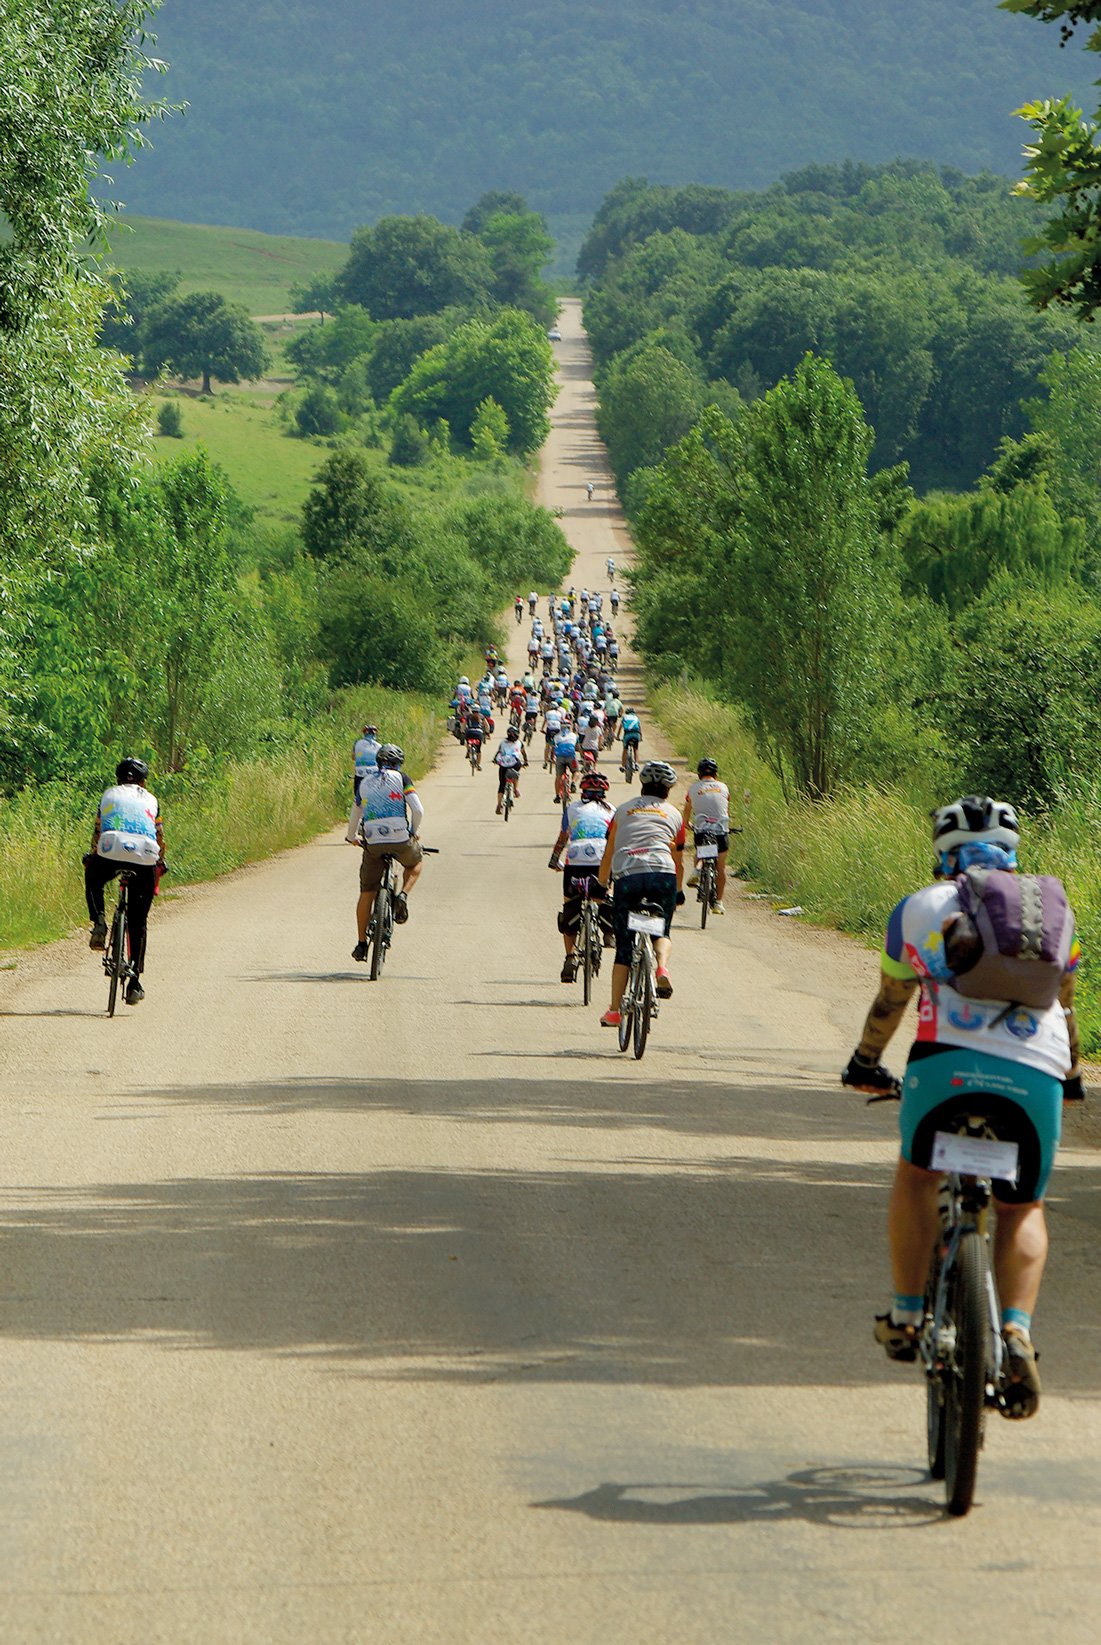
(334, 1311)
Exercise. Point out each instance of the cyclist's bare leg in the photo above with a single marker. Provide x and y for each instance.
(410, 876)
(720, 876)
(1020, 1252)
(912, 1225)
(619, 983)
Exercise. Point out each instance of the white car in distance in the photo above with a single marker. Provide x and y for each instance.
(554, 334)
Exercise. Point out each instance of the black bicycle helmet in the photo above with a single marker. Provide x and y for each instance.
(390, 755)
(707, 767)
(131, 770)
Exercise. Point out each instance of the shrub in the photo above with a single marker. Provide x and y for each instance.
(317, 412)
(409, 446)
(169, 421)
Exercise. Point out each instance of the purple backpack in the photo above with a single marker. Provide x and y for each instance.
(1013, 938)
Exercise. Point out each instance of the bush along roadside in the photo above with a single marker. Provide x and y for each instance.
(847, 860)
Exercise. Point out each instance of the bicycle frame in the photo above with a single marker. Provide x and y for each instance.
(965, 1206)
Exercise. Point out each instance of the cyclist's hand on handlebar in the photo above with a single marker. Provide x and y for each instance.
(863, 1075)
(1073, 1089)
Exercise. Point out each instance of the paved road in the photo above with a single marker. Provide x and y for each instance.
(410, 1312)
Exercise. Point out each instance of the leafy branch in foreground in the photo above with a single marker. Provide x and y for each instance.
(1063, 169)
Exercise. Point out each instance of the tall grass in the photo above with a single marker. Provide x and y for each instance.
(214, 820)
(848, 860)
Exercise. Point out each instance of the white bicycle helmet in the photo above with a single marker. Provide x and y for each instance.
(656, 771)
(973, 819)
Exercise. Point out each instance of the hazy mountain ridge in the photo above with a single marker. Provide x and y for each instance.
(310, 118)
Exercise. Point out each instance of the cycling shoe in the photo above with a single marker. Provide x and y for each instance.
(900, 1341)
(1019, 1396)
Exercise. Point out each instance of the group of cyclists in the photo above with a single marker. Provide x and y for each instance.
(985, 1036)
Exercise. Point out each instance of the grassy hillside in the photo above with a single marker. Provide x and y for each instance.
(246, 266)
(309, 118)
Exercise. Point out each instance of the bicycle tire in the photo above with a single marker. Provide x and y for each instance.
(643, 1012)
(627, 1004)
(705, 895)
(508, 802)
(116, 950)
(378, 932)
(587, 957)
(934, 1380)
(965, 1382)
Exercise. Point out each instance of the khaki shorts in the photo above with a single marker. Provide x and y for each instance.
(373, 866)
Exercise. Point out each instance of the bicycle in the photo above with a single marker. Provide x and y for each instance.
(473, 754)
(380, 928)
(590, 940)
(510, 796)
(529, 731)
(707, 853)
(563, 788)
(639, 1006)
(630, 760)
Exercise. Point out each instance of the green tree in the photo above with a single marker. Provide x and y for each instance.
(350, 509)
(202, 335)
(408, 266)
(508, 360)
(489, 204)
(317, 413)
(649, 400)
(378, 633)
(133, 294)
(812, 581)
(1063, 169)
(519, 249)
(489, 431)
(169, 421)
(954, 546)
(409, 446)
(399, 344)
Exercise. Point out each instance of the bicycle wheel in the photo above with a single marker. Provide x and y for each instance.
(965, 1378)
(508, 800)
(705, 894)
(116, 951)
(627, 1007)
(587, 955)
(378, 932)
(934, 1382)
(643, 1011)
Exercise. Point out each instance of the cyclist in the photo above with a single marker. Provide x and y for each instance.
(592, 733)
(501, 685)
(518, 696)
(552, 725)
(509, 757)
(707, 813)
(392, 816)
(585, 824)
(613, 708)
(590, 488)
(611, 570)
(127, 838)
(518, 605)
(363, 754)
(531, 710)
(476, 734)
(631, 732)
(1026, 1058)
(565, 751)
(533, 601)
(463, 691)
(614, 597)
(644, 856)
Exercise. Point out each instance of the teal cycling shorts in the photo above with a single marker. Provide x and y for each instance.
(1023, 1105)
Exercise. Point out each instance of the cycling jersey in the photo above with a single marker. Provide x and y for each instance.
(586, 827)
(388, 801)
(128, 826)
(710, 806)
(553, 723)
(531, 703)
(632, 728)
(613, 707)
(646, 830)
(364, 755)
(565, 744)
(914, 947)
(509, 754)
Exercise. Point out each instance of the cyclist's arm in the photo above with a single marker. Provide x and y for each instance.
(678, 855)
(1066, 1000)
(604, 872)
(416, 810)
(160, 836)
(888, 1009)
(686, 813)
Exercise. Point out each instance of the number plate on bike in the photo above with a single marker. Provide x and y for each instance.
(974, 1156)
(703, 852)
(651, 924)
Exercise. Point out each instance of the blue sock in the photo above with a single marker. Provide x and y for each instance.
(1017, 1317)
(907, 1310)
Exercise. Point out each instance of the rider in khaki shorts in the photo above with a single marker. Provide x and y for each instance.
(392, 815)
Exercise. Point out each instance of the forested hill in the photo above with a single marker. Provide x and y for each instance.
(313, 116)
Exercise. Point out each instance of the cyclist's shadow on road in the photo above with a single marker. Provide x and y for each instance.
(859, 1499)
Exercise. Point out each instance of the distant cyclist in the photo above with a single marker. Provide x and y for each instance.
(392, 816)
(611, 570)
(363, 755)
(126, 838)
(584, 831)
(614, 597)
(707, 813)
(533, 601)
(476, 734)
(510, 757)
(631, 731)
(518, 605)
(565, 752)
(644, 857)
(590, 488)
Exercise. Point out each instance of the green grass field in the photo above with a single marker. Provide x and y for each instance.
(245, 266)
(267, 469)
